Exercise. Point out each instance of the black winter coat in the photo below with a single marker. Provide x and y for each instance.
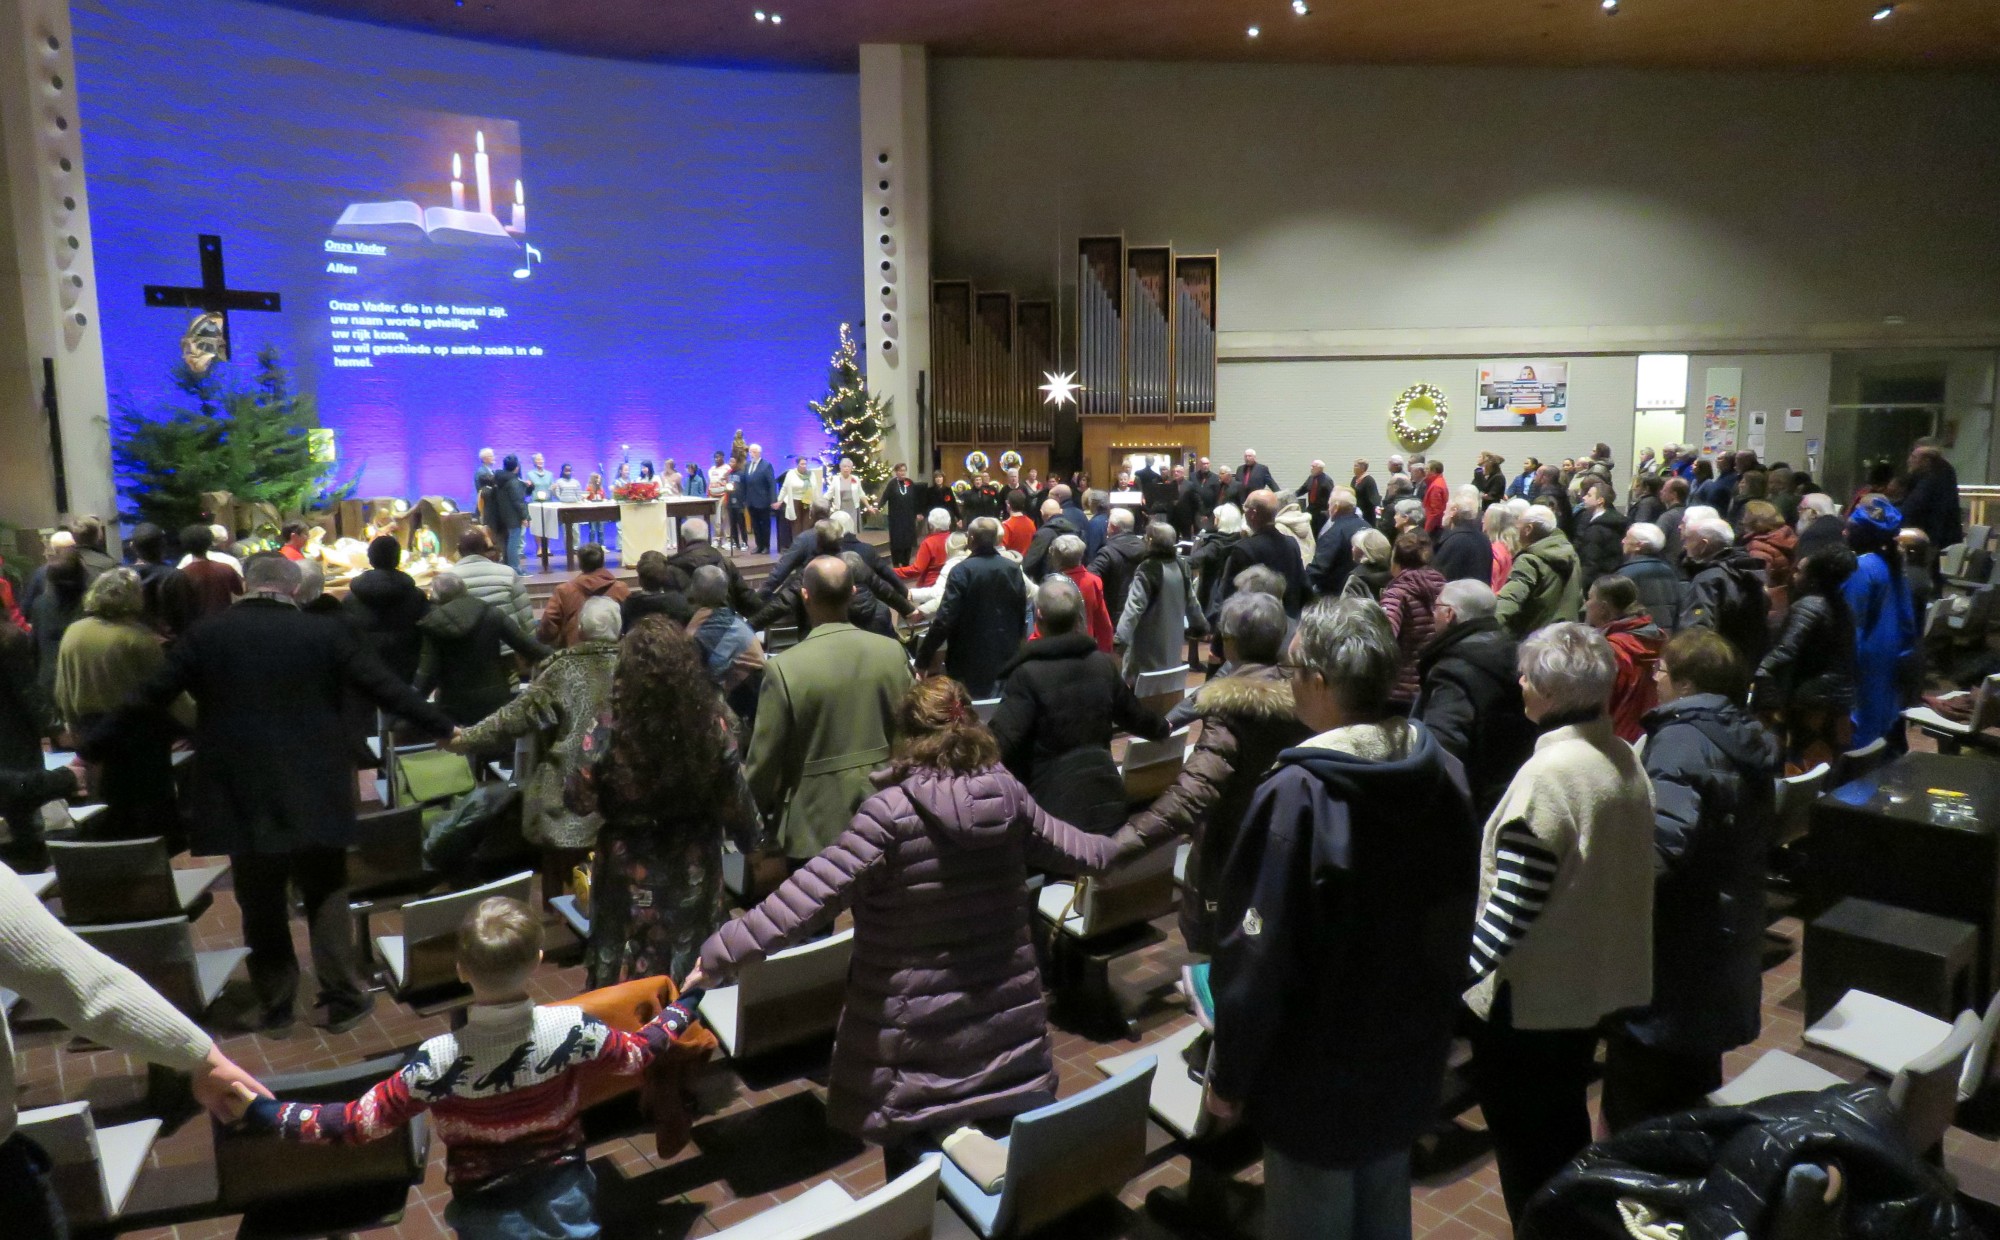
(1470, 699)
(1345, 910)
(1034, 565)
(384, 607)
(1663, 592)
(273, 767)
(980, 621)
(1060, 698)
(26, 712)
(1114, 565)
(465, 658)
(1599, 542)
(1727, 594)
(1462, 554)
(1713, 770)
(1210, 552)
(1275, 550)
(1817, 535)
(1724, 1172)
(639, 604)
(693, 555)
(1333, 553)
(1812, 662)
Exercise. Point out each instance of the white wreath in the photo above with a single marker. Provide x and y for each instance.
(1419, 437)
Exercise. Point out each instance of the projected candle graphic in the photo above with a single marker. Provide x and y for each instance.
(482, 172)
(469, 220)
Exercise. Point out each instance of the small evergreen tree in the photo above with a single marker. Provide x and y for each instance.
(855, 421)
(254, 441)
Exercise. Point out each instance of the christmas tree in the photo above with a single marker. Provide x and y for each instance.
(254, 441)
(854, 419)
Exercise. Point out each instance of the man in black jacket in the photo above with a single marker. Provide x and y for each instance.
(1333, 554)
(899, 499)
(1266, 544)
(983, 615)
(1034, 565)
(273, 783)
(1256, 477)
(1930, 504)
(1726, 588)
(1060, 697)
(1471, 694)
(1820, 526)
(1462, 552)
(696, 551)
(1118, 559)
(464, 655)
(507, 506)
(384, 604)
(1662, 590)
(1599, 535)
(1359, 848)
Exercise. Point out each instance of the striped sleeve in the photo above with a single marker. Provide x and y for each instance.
(1526, 871)
(376, 1114)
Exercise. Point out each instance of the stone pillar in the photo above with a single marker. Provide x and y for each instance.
(48, 290)
(896, 235)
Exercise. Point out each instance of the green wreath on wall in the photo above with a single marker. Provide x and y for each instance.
(1419, 398)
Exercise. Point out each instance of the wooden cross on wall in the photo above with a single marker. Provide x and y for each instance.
(214, 295)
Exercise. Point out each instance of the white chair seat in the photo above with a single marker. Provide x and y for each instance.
(8, 1002)
(212, 970)
(193, 883)
(1925, 717)
(57, 759)
(1175, 1098)
(38, 884)
(390, 948)
(789, 1218)
(1775, 1073)
(1054, 905)
(182, 757)
(1878, 1032)
(735, 873)
(123, 1149)
(81, 814)
(565, 907)
(1181, 864)
(718, 1010)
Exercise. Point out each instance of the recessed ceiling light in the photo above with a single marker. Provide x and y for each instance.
(777, 19)
(1301, 8)
(1253, 32)
(1609, 6)
(1882, 14)
(762, 16)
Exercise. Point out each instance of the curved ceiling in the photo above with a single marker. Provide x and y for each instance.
(825, 33)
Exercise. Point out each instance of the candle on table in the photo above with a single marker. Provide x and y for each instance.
(520, 224)
(482, 172)
(457, 183)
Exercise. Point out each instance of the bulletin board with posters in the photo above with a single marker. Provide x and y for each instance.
(1524, 394)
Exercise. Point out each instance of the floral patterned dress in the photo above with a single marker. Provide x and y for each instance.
(656, 881)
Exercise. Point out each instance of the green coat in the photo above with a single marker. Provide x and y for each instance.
(560, 708)
(1546, 585)
(824, 720)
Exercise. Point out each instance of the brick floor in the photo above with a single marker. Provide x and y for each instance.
(762, 1140)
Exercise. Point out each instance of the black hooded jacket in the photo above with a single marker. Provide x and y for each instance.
(384, 606)
(1470, 699)
(1060, 698)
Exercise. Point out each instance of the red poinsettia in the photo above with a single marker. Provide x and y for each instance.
(636, 492)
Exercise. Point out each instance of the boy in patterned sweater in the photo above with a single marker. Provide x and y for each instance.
(502, 1091)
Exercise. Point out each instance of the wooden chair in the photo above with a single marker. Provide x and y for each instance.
(422, 961)
(1856, 763)
(1151, 767)
(162, 953)
(903, 1209)
(789, 997)
(1793, 804)
(1095, 922)
(290, 1190)
(1952, 736)
(1060, 1157)
(1886, 1037)
(127, 880)
(94, 1168)
(1162, 690)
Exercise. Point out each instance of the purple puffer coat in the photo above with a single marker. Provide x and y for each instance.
(945, 1022)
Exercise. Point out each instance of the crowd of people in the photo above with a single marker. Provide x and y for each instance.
(1414, 800)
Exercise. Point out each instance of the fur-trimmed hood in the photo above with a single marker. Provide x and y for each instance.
(1255, 690)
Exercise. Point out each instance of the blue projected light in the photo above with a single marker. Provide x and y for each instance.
(691, 255)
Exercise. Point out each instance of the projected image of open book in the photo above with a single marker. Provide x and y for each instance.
(406, 223)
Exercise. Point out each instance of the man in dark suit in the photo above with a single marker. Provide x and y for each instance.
(1055, 523)
(757, 483)
(899, 499)
(1267, 545)
(273, 780)
(1256, 477)
(1317, 492)
(1333, 556)
(482, 487)
(983, 616)
(507, 510)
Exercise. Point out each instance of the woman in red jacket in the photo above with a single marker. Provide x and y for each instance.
(1613, 609)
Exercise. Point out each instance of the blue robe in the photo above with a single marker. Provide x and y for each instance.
(1885, 633)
